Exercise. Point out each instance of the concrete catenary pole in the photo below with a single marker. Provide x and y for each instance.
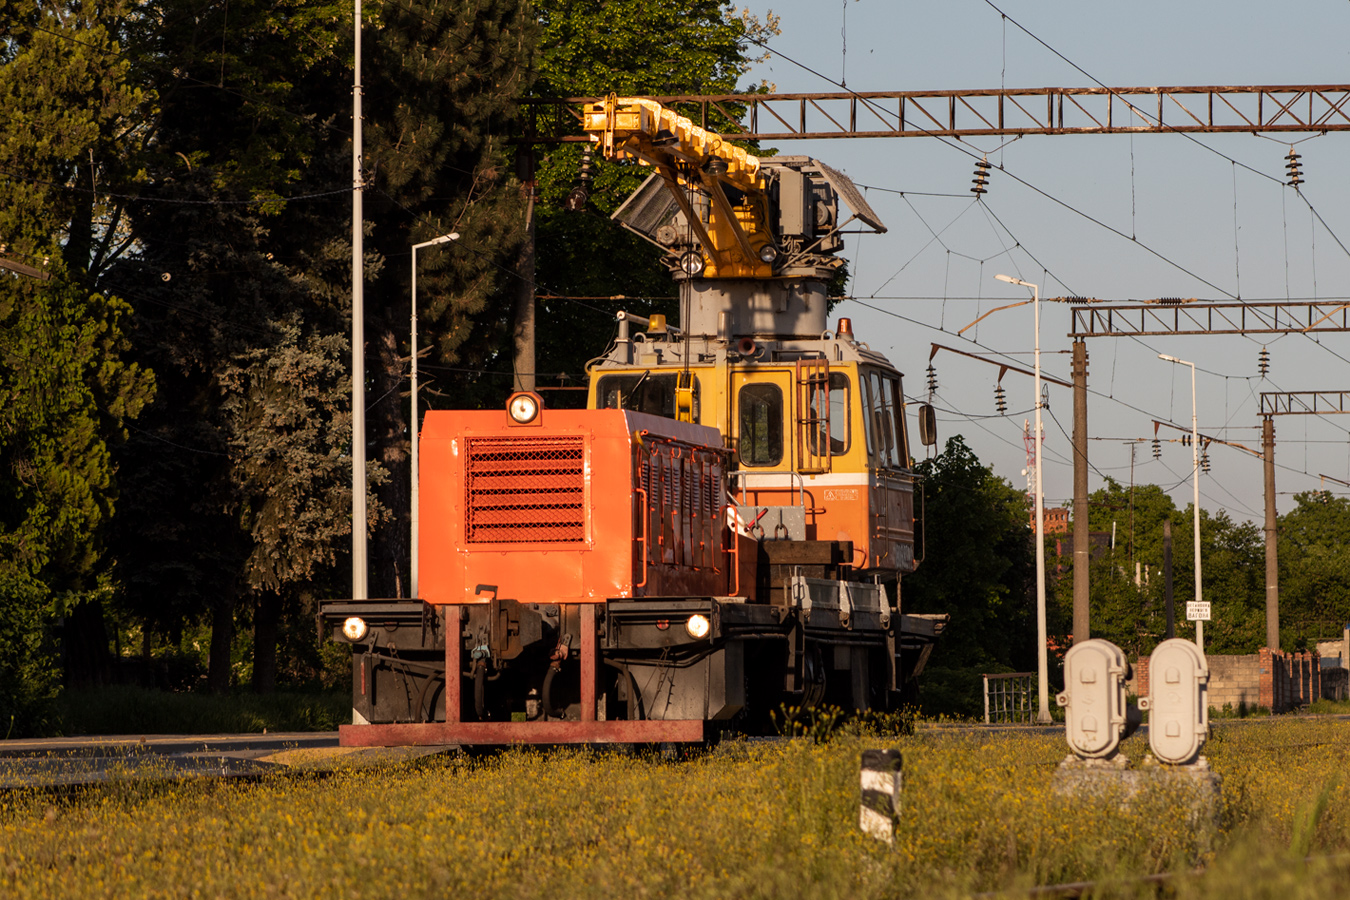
(1167, 579)
(1081, 534)
(1272, 552)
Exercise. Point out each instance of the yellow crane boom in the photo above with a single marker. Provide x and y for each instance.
(733, 228)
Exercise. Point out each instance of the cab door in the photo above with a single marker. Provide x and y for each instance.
(762, 430)
(891, 485)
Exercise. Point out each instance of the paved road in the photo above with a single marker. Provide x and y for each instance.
(66, 762)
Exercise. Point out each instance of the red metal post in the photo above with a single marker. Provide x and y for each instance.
(452, 664)
(590, 654)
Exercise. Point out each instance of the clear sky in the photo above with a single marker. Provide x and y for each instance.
(1243, 232)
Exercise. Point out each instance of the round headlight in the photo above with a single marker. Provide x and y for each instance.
(355, 628)
(692, 262)
(697, 626)
(523, 408)
(768, 254)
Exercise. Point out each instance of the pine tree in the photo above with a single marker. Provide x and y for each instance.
(242, 467)
(440, 105)
(65, 388)
(244, 464)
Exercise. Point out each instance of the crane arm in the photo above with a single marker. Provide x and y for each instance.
(733, 227)
(642, 128)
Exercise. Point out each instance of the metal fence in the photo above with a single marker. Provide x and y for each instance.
(1009, 697)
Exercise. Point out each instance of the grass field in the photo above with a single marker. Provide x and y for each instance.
(746, 820)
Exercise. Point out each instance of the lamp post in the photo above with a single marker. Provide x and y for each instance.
(359, 585)
(1042, 662)
(413, 423)
(1195, 478)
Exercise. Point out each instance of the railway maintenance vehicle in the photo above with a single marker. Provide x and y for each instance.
(722, 533)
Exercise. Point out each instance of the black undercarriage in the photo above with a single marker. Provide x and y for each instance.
(716, 659)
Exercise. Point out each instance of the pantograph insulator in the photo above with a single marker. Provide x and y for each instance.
(1263, 362)
(1000, 400)
(1157, 449)
(932, 379)
(981, 179)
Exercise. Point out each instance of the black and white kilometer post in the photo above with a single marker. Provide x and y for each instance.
(880, 778)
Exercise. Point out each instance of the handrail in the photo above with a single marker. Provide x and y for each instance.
(735, 552)
(643, 517)
(801, 488)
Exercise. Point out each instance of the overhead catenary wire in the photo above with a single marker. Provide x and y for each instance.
(975, 154)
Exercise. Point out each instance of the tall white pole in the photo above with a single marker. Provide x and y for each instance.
(1042, 664)
(1195, 478)
(1195, 504)
(414, 429)
(359, 587)
(1042, 654)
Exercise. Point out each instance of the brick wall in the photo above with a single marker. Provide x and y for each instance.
(1278, 681)
(1235, 682)
(1139, 684)
(1289, 680)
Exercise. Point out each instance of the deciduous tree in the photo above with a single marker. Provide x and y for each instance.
(631, 48)
(979, 568)
(1314, 570)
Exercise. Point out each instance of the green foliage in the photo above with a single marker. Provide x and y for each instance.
(631, 48)
(65, 388)
(641, 47)
(242, 468)
(443, 79)
(979, 567)
(1133, 615)
(1314, 570)
(823, 724)
(28, 681)
(1233, 580)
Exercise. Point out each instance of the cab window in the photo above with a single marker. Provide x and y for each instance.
(838, 417)
(761, 424)
(885, 420)
(642, 392)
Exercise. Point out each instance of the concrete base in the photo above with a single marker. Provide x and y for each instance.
(1195, 786)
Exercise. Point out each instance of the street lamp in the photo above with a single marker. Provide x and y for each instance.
(413, 424)
(1042, 663)
(359, 567)
(1195, 477)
